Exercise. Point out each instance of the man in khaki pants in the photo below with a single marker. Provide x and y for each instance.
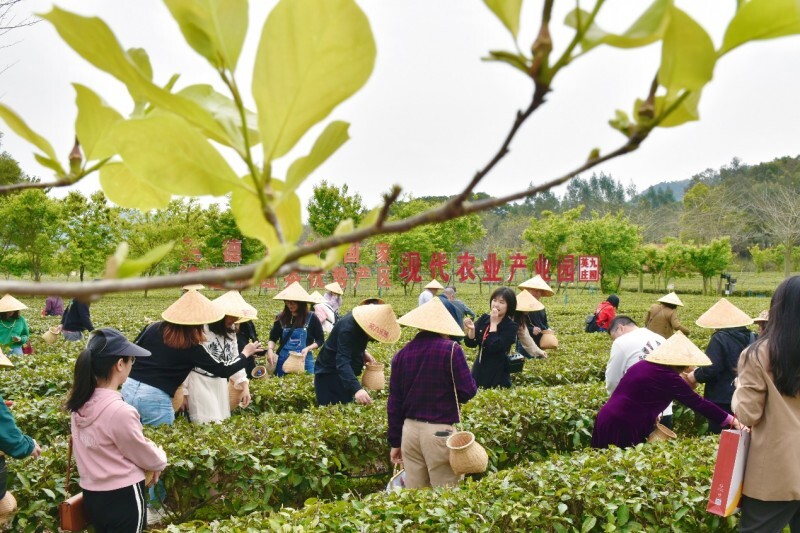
(430, 378)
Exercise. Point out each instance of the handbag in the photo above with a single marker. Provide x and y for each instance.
(71, 513)
(726, 485)
(27, 349)
(516, 362)
(466, 455)
(398, 480)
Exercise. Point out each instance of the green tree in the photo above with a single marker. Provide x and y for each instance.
(616, 241)
(711, 259)
(31, 228)
(220, 227)
(677, 260)
(330, 205)
(553, 235)
(91, 232)
(600, 193)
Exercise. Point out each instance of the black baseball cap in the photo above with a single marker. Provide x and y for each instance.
(109, 342)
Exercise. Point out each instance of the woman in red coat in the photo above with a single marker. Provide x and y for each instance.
(606, 312)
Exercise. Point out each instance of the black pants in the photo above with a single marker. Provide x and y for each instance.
(117, 511)
(330, 390)
(759, 516)
(713, 427)
(3, 477)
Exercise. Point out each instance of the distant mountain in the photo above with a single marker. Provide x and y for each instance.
(677, 188)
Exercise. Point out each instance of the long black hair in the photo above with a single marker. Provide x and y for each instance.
(219, 328)
(783, 337)
(285, 316)
(88, 369)
(510, 298)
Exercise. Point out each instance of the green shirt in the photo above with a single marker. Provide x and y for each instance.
(15, 327)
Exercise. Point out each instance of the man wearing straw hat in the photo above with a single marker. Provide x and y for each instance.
(430, 378)
(761, 321)
(344, 354)
(726, 344)
(536, 321)
(662, 317)
(430, 291)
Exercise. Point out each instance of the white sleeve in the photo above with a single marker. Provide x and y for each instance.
(238, 378)
(615, 368)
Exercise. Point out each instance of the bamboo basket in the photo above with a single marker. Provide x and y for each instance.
(548, 340)
(374, 377)
(661, 433)
(295, 363)
(466, 455)
(234, 395)
(177, 399)
(8, 506)
(51, 335)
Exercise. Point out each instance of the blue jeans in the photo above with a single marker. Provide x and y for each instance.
(16, 350)
(283, 355)
(154, 405)
(72, 336)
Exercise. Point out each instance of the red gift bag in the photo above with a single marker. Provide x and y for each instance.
(726, 485)
(27, 349)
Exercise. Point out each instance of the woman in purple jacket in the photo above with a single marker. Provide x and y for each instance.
(646, 389)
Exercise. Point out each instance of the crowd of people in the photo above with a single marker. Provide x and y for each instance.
(199, 357)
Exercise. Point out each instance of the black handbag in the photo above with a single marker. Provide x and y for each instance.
(516, 362)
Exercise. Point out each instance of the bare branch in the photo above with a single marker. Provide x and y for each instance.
(5, 189)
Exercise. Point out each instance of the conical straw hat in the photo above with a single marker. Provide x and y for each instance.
(723, 314)
(671, 298)
(378, 321)
(434, 285)
(678, 350)
(432, 316)
(9, 303)
(335, 288)
(317, 297)
(527, 302)
(5, 362)
(294, 293)
(536, 282)
(192, 309)
(194, 287)
(763, 316)
(232, 304)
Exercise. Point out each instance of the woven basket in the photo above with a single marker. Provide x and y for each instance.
(374, 377)
(234, 395)
(548, 340)
(177, 399)
(148, 477)
(295, 363)
(260, 372)
(51, 335)
(466, 455)
(661, 433)
(8, 506)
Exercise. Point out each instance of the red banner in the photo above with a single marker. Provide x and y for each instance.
(232, 252)
(491, 268)
(517, 261)
(589, 268)
(410, 264)
(438, 264)
(466, 267)
(566, 269)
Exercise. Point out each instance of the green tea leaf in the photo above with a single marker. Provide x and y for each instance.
(169, 153)
(133, 267)
(647, 29)
(588, 524)
(215, 29)
(95, 120)
(687, 56)
(508, 13)
(125, 189)
(761, 19)
(19, 127)
(312, 56)
(331, 139)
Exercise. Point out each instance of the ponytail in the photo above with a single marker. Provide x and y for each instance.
(87, 371)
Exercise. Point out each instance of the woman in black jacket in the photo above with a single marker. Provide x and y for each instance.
(494, 334)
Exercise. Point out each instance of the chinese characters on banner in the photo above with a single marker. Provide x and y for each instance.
(542, 267)
(232, 253)
(439, 262)
(566, 269)
(410, 263)
(466, 267)
(589, 268)
(517, 261)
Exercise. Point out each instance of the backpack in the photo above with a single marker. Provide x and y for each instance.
(591, 324)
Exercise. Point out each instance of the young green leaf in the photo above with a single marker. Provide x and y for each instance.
(518, 61)
(21, 128)
(508, 13)
(246, 209)
(331, 139)
(687, 56)
(95, 120)
(270, 264)
(225, 112)
(127, 268)
(288, 211)
(761, 19)
(312, 56)
(215, 29)
(125, 189)
(647, 29)
(685, 112)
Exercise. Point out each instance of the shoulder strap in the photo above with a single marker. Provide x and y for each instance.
(453, 376)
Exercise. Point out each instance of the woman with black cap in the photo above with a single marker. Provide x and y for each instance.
(111, 451)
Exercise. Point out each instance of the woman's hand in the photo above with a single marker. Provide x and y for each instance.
(363, 397)
(469, 327)
(494, 319)
(153, 481)
(252, 349)
(37, 450)
(396, 456)
(537, 330)
(16, 339)
(246, 398)
(368, 358)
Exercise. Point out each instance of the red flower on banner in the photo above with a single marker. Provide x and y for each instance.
(315, 280)
(361, 272)
(340, 276)
(352, 254)
(291, 278)
(542, 266)
(566, 269)
(410, 264)
(466, 267)
(382, 252)
(517, 262)
(439, 262)
(491, 268)
(384, 277)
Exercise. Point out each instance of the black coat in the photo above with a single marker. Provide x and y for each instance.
(491, 365)
(723, 349)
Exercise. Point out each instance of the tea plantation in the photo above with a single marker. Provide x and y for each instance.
(284, 464)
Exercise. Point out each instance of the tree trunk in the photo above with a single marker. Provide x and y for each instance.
(641, 282)
(705, 285)
(82, 270)
(787, 258)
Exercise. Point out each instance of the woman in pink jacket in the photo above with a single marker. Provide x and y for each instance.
(110, 448)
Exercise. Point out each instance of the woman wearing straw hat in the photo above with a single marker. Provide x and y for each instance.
(296, 329)
(15, 444)
(726, 344)
(494, 334)
(333, 296)
(761, 321)
(208, 398)
(662, 317)
(767, 400)
(325, 312)
(14, 330)
(177, 347)
(430, 377)
(111, 451)
(536, 320)
(344, 354)
(526, 304)
(646, 389)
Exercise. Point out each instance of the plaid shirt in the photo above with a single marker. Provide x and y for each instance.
(421, 386)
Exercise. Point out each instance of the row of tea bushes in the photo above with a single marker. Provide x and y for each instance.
(659, 487)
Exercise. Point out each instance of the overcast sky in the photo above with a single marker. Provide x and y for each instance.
(433, 112)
